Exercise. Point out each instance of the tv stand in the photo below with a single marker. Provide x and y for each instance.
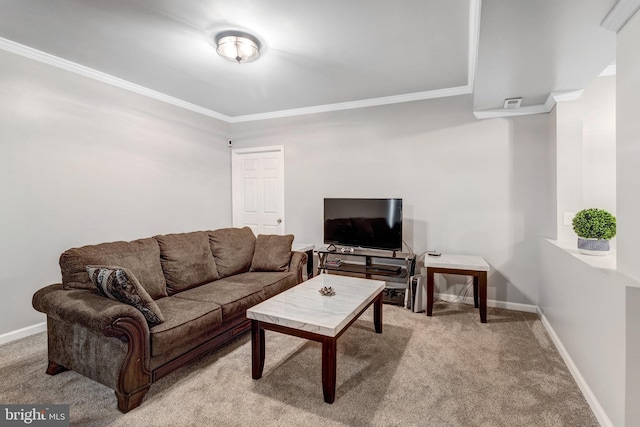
(395, 268)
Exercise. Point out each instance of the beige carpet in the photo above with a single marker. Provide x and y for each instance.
(447, 370)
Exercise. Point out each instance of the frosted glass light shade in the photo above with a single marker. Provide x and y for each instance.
(237, 46)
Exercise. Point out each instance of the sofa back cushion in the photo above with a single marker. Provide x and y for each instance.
(141, 257)
(186, 260)
(232, 249)
(272, 252)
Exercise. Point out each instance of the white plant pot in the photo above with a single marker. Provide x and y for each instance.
(593, 246)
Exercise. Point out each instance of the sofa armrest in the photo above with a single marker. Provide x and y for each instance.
(127, 372)
(298, 263)
(83, 307)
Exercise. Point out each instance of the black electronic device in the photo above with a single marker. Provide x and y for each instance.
(366, 223)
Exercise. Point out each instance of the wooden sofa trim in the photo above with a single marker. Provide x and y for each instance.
(134, 379)
(232, 329)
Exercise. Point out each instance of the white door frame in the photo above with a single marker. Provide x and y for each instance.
(236, 155)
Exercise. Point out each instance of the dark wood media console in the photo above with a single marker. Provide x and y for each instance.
(395, 268)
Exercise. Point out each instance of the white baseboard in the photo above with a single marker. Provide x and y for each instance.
(597, 409)
(595, 406)
(528, 308)
(24, 332)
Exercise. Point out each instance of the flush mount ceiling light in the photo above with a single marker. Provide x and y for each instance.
(237, 46)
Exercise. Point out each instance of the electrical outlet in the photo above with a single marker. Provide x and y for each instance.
(568, 218)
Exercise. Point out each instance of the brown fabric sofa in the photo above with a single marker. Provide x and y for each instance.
(202, 282)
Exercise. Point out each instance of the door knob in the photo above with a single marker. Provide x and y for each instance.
(279, 220)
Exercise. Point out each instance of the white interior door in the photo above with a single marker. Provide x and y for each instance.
(258, 189)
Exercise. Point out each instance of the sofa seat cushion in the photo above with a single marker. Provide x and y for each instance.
(141, 257)
(185, 321)
(234, 298)
(271, 282)
(232, 249)
(186, 260)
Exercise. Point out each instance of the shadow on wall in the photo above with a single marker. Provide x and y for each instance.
(504, 290)
(414, 232)
(529, 200)
(499, 287)
(513, 271)
(523, 264)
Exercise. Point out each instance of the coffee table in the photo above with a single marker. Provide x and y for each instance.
(303, 312)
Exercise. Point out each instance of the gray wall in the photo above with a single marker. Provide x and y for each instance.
(628, 176)
(599, 144)
(628, 147)
(585, 308)
(594, 311)
(584, 305)
(82, 162)
(469, 186)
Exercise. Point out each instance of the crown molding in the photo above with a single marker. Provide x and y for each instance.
(551, 101)
(609, 71)
(505, 112)
(371, 102)
(37, 55)
(618, 16)
(475, 7)
(570, 95)
(474, 32)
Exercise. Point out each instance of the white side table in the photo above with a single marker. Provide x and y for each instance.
(464, 265)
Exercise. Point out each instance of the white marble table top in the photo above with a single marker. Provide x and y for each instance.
(457, 262)
(302, 307)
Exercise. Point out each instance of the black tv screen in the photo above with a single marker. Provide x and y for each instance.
(366, 223)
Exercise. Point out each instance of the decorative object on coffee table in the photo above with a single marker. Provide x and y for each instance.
(594, 227)
(327, 291)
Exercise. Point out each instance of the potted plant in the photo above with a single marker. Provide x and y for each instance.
(594, 228)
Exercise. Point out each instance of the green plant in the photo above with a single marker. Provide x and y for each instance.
(594, 224)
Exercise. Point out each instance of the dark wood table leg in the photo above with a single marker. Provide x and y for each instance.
(54, 369)
(377, 313)
(322, 257)
(257, 350)
(430, 291)
(482, 285)
(309, 264)
(329, 369)
(475, 291)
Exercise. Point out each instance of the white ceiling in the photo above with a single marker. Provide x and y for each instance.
(320, 55)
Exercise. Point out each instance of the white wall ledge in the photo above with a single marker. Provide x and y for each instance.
(606, 264)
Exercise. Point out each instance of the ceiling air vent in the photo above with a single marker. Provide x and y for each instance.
(512, 103)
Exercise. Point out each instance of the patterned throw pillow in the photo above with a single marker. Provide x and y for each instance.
(121, 285)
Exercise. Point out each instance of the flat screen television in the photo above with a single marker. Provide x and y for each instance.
(366, 223)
